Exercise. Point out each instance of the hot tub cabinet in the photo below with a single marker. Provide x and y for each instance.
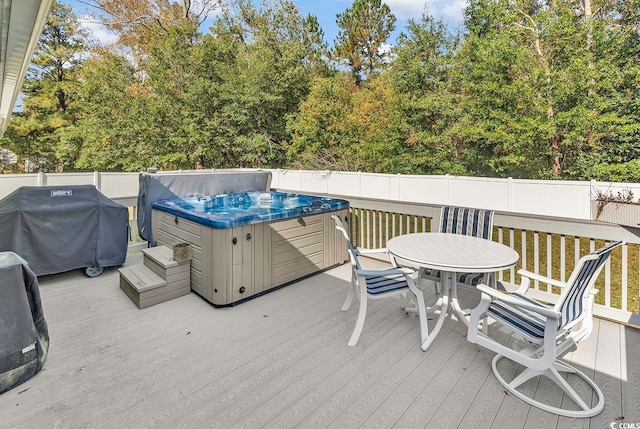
(250, 257)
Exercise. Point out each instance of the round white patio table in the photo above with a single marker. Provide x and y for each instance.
(451, 254)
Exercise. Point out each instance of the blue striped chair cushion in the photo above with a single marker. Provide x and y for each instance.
(571, 307)
(529, 324)
(385, 283)
(430, 273)
(460, 220)
(472, 279)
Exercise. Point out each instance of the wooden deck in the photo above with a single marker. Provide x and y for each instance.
(281, 361)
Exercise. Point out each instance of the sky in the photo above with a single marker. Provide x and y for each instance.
(450, 11)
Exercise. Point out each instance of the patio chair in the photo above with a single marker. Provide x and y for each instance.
(465, 221)
(549, 332)
(377, 284)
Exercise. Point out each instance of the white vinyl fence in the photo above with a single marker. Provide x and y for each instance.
(569, 199)
(558, 198)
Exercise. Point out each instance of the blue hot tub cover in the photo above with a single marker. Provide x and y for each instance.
(231, 210)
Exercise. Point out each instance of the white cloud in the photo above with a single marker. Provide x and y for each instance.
(97, 31)
(450, 11)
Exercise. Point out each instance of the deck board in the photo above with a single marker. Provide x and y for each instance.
(281, 361)
(608, 373)
(631, 375)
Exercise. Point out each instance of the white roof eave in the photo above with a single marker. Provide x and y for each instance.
(22, 23)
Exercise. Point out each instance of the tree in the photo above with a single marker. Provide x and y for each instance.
(543, 88)
(365, 27)
(140, 23)
(264, 58)
(117, 128)
(421, 77)
(350, 127)
(219, 102)
(49, 103)
(501, 96)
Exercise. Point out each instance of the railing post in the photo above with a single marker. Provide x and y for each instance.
(42, 179)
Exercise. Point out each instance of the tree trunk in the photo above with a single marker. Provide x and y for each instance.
(588, 21)
(555, 140)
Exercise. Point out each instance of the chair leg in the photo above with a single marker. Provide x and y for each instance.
(349, 299)
(362, 313)
(422, 315)
(560, 381)
(525, 376)
(554, 375)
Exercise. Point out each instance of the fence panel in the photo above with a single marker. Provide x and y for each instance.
(571, 199)
(65, 179)
(11, 182)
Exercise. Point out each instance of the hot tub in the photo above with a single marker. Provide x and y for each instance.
(250, 243)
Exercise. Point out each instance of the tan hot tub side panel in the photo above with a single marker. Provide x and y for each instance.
(335, 248)
(169, 233)
(264, 256)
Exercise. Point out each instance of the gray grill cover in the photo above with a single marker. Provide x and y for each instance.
(24, 338)
(154, 187)
(61, 228)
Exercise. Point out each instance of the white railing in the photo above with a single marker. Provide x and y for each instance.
(384, 206)
(548, 245)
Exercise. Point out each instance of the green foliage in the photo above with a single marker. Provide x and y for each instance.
(49, 102)
(527, 89)
(220, 100)
(346, 126)
(538, 89)
(421, 77)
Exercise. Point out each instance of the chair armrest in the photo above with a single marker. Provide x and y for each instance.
(403, 271)
(540, 278)
(362, 251)
(509, 299)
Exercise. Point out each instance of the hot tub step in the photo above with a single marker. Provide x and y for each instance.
(160, 260)
(145, 288)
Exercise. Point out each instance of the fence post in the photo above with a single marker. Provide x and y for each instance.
(448, 189)
(510, 194)
(42, 179)
(97, 180)
(593, 192)
(593, 189)
(326, 178)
